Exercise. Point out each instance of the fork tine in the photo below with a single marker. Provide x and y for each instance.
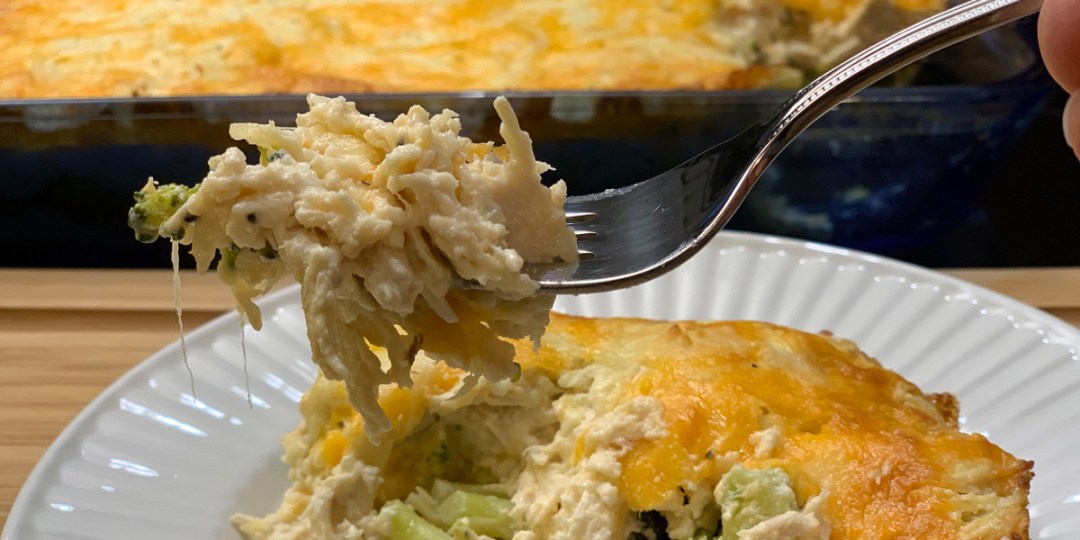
(584, 235)
(646, 229)
(580, 217)
(573, 218)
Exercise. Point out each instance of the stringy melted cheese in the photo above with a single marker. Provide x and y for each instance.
(382, 223)
(69, 48)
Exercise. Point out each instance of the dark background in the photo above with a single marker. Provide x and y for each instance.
(1029, 214)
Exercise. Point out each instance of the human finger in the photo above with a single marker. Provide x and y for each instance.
(1071, 120)
(1059, 41)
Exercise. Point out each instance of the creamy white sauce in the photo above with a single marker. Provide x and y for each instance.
(559, 499)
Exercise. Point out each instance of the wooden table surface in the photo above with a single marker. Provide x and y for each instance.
(65, 335)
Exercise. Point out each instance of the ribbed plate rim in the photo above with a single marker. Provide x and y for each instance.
(1054, 330)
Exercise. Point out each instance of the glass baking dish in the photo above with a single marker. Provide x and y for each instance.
(892, 168)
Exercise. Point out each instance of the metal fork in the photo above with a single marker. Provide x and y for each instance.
(636, 233)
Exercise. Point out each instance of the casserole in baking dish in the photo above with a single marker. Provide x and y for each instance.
(123, 48)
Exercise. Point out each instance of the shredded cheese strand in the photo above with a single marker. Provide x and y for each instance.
(180, 313)
(243, 352)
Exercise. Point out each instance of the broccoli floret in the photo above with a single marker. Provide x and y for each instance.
(750, 496)
(156, 204)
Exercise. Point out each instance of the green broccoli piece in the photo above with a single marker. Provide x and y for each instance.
(154, 205)
(484, 514)
(749, 497)
(406, 524)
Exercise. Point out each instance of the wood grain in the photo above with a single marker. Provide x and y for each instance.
(65, 335)
(1041, 287)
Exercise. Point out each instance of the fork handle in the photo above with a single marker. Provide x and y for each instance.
(889, 55)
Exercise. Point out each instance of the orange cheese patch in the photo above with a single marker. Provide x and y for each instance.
(889, 457)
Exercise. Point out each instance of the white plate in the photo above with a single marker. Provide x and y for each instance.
(147, 460)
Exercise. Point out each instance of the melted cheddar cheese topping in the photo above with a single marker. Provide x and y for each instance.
(615, 418)
(67, 48)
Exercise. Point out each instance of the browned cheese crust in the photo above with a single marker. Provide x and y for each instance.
(889, 457)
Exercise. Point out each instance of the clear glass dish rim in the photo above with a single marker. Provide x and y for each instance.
(1032, 79)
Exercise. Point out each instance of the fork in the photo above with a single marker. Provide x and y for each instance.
(630, 235)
